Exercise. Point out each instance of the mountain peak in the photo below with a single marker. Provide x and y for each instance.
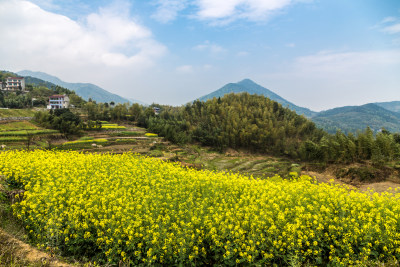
(251, 87)
(247, 80)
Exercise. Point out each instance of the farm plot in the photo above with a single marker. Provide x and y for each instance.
(128, 209)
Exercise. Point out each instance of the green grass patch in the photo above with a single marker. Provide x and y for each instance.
(26, 133)
(88, 141)
(156, 153)
(126, 133)
(122, 141)
(12, 139)
(6, 113)
(17, 126)
(85, 138)
(83, 144)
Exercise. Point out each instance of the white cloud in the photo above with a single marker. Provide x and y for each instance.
(346, 64)
(389, 25)
(210, 47)
(168, 9)
(34, 38)
(49, 4)
(242, 54)
(226, 11)
(185, 69)
(388, 19)
(291, 45)
(208, 67)
(392, 29)
(221, 12)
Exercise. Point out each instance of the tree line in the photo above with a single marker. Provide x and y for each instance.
(242, 121)
(65, 121)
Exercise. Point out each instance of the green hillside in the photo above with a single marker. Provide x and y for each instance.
(253, 88)
(351, 119)
(7, 113)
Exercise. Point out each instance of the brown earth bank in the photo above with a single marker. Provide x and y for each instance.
(17, 253)
(379, 180)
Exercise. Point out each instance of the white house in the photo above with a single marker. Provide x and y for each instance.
(14, 84)
(58, 101)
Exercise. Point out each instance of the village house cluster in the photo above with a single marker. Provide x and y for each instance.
(17, 84)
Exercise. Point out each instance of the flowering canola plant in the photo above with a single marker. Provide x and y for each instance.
(136, 210)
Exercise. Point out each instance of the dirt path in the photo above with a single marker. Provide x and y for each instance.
(379, 187)
(22, 253)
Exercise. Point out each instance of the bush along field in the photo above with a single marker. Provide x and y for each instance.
(128, 209)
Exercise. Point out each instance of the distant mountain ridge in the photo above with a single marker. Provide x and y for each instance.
(350, 119)
(251, 87)
(392, 106)
(38, 82)
(84, 90)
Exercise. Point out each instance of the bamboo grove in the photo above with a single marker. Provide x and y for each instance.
(260, 124)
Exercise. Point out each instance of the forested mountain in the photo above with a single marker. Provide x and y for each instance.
(85, 90)
(351, 119)
(238, 121)
(392, 106)
(251, 87)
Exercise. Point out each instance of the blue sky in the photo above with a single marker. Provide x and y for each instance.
(316, 54)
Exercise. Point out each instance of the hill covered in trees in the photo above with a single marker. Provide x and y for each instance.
(259, 124)
(351, 119)
(238, 121)
(253, 88)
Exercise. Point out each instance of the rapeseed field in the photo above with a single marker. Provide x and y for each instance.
(129, 209)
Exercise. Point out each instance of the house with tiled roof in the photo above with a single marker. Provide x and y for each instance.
(14, 84)
(58, 101)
